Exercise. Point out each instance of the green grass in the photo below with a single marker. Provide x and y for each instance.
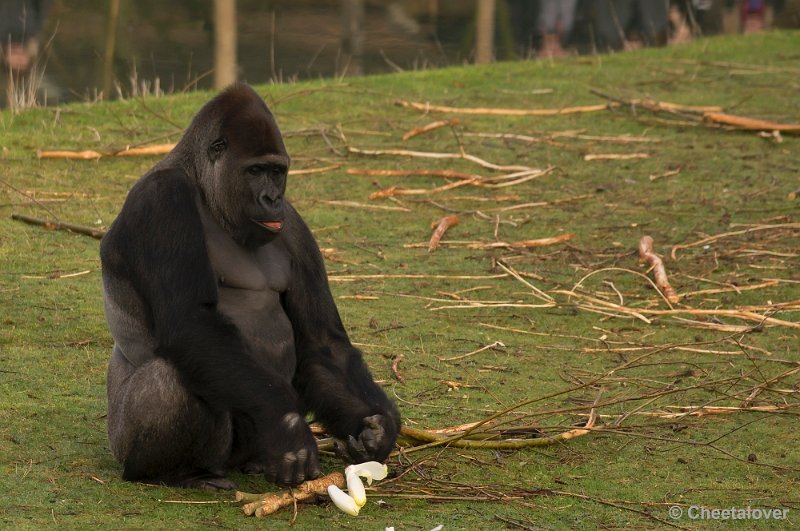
(55, 465)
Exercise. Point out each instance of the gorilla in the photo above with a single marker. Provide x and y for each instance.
(225, 331)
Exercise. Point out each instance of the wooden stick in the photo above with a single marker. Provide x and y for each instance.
(646, 254)
(393, 191)
(57, 225)
(426, 107)
(430, 127)
(749, 124)
(440, 227)
(616, 156)
(716, 237)
(447, 174)
(156, 149)
(433, 155)
(265, 504)
(65, 154)
(523, 244)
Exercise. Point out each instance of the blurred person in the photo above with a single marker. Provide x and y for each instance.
(608, 25)
(20, 24)
(554, 25)
(704, 17)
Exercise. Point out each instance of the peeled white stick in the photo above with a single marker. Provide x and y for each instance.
(343, 501)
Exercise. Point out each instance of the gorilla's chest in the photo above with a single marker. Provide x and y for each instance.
(249, 285)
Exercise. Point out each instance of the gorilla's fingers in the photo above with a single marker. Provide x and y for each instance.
(374, 421)
(374, 435)
(288, 469)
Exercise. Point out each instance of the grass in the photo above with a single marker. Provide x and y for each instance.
(55, 465)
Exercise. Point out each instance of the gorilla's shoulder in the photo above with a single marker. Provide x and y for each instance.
(163, 184)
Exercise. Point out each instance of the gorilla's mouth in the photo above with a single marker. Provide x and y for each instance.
(272, 226)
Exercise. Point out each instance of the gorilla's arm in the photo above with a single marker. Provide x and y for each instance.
(157, 245)
(331, 376)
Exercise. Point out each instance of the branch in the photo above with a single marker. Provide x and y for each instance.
(646, 254)
(426, 107)
(57, 225)
(265, 504)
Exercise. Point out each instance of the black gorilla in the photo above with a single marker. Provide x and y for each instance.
(225, 329)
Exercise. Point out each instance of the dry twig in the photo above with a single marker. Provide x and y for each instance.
(57, 225)
(426, 107)
(646, 254)
(429, 127)
(440, 227)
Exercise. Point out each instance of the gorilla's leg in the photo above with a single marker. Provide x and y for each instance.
(161, 433)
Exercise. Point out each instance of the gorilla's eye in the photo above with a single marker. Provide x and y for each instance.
(216, 148)
(254, 170)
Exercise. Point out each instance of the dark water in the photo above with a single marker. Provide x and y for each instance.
(169, 46)
(86, 53)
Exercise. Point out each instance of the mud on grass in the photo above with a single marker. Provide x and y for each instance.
(646, 374)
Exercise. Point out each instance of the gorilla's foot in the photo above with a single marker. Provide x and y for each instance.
(254, 468)
(205, 480)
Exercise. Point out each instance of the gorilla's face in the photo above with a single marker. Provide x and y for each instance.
(247, 167)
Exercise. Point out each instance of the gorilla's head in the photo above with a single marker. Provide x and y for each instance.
(235, 151)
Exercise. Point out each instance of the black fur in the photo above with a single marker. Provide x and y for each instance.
(187, 360)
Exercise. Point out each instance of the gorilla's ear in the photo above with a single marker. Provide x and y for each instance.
(217, 148)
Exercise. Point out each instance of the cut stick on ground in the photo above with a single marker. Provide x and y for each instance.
(434, 155)
(658, 106)
(426, 107)
(447, 174)
(524, 244)
(749, 124)
(393, 191)
(710, 239)
(355, 204)
(429, 127)
(647, 255)
(157, 149)
(308, 171)
(616, 156)
(456, 440)
(57, 225)
(439, 228)
(262, 505)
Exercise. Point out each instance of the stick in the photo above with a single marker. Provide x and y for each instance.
(394, 190)
(524, 244)
(734, 233)
(408, 173)
(264, 504)
(440, 227)
(426, 107)
(749, 124)
(433, 155)
(57, 225)
(157, 149)
(646, 254)
(616, 156)
(64, 154)
(430, 127)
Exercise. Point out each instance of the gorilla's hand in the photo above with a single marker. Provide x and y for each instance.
(373, 443)
(292, 455)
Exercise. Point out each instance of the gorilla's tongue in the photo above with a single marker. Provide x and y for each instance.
(273, 225)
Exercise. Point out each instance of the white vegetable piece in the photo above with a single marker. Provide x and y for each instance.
(343, 501)
(356, 497)
(355, 488)
(371, 470)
